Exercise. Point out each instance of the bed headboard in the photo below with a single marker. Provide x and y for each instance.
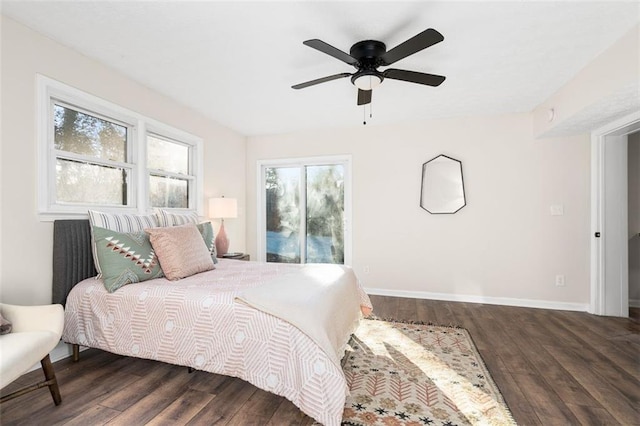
(72, 256)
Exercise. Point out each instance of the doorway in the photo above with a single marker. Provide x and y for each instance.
(609, 217)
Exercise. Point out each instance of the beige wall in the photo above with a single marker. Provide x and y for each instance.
(26, 242)
(606, 89)
(633, 153)
(504, 244)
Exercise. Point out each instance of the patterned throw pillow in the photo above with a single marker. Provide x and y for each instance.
(209, 239)
(125, 258)
(171, 218)
(120, 222)
(181, 250)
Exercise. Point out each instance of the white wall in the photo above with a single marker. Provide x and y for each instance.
(504, 244)
(633, 157)
(606, 89)
(25, 242)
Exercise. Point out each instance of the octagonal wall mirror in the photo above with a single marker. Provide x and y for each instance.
(442, 186)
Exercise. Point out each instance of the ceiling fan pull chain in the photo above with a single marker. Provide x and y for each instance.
(364, 115)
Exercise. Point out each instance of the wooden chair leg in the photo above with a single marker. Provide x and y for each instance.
(76, 352)
(50, 377)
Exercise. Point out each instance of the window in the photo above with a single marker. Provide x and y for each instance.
(90, 158)
(94, 154)
(305, 207)
(169, 178)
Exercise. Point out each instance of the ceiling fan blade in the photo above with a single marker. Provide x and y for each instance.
(415, 44)
(320, 80)
(331, 51)
(414, 77)
(364, 96)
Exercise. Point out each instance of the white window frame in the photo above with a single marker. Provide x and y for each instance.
(344, 160)
(54, 154)
(50, 90)
(196, 162)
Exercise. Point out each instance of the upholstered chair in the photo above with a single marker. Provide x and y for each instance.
(35, 331)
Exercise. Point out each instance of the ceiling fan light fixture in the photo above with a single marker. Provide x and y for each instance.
(367, 81)
(368, 55)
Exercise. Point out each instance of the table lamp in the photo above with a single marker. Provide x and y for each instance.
(222, 208)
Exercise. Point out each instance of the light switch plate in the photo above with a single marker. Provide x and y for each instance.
(557, 210)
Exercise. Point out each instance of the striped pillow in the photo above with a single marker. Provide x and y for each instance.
(170, 218)
(120, 222)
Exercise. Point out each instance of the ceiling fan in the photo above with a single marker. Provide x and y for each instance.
(367, 55)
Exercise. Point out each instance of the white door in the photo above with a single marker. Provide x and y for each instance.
(609, 212)
(615, 227)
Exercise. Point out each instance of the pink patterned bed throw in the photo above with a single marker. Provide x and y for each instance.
(197, 322)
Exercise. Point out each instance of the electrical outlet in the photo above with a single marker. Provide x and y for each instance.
(559, 280)
(366, 269)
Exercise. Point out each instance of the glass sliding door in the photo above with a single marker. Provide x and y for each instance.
(282, 195)
(305, 212)
(325, 214)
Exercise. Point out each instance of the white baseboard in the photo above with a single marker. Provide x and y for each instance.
(63, 350)
(526, 303)
(60, 352)
(634, 303)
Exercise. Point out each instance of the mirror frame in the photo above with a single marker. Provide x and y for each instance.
(464, 195)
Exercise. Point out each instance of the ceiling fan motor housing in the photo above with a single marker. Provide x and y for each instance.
(368, 53)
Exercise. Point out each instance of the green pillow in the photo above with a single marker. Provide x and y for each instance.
(125, 258)
(209, 239)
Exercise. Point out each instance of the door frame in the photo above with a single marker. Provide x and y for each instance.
(346, 160)
(600, 289)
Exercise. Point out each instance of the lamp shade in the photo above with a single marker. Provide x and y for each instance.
(223, 208)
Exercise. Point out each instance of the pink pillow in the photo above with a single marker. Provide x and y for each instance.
(181, 250)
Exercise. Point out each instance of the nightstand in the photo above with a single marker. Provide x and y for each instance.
(236, 256)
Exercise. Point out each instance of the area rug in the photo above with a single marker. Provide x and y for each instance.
(413, 374)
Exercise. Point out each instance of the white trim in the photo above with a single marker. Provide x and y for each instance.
(345, 159)
(48, 89)
(138, 125)
(61, 351)
(140, 152)
(261, 214)
(634, 303)
(303, 208)
(621, 126)
(196, 159)
(506, 301)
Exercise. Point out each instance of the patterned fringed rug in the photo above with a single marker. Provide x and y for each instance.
(413, 374)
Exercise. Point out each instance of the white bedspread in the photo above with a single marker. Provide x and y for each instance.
(197, 322)
(322, 301)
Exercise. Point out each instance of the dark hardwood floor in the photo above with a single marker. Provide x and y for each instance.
(553, 368)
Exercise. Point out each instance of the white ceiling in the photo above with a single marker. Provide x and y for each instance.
(235, 62)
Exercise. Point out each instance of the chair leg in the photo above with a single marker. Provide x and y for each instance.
(50, 377)
(76, 352)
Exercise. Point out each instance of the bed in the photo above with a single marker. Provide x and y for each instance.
(210, 322)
